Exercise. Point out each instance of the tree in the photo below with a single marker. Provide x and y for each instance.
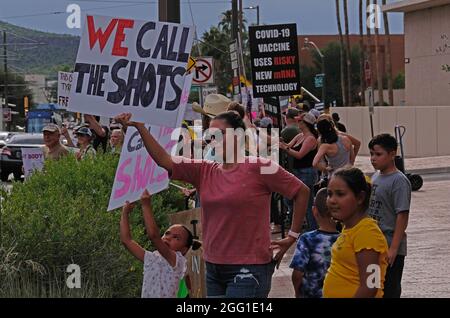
(342, 53)
(388, 56)
(347, 56)
(378, 63)
(362, 56)
(215, 42)
(399, 81)
(332, 69)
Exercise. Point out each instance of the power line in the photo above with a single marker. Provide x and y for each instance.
(21, 36)
(130, 4)
(64, 12)
(151, 2)
(195, 28)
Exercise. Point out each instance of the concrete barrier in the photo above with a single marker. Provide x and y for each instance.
(427, 127)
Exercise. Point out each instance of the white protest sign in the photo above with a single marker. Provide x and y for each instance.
(136, 170)
(208, 91)
(64, 83)
(132, 66)
(33, 159)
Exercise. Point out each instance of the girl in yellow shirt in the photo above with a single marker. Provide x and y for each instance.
(358, 257)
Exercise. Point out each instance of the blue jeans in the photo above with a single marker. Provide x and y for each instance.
(239, 281)
(309, 177)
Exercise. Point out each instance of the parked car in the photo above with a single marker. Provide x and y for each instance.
(5, 136)
(11, 154)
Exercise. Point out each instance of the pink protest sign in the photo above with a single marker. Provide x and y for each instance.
(136, 170)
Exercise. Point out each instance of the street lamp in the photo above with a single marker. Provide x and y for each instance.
(322, 58)
(257, 12)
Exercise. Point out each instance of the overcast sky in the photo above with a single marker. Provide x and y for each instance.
(311, 16)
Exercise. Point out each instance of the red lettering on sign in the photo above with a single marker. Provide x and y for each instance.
(120, 36)
(98, 35)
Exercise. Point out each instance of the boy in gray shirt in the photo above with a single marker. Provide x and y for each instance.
(389, 206)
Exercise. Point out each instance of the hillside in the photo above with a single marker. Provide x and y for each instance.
(58, 50)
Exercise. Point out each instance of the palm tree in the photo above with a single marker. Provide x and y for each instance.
(226, 22)
(347, 56)
(379, 66)
(362, 55)
(388, 56)
(342, 50)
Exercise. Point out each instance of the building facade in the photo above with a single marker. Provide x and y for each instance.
(427, 50)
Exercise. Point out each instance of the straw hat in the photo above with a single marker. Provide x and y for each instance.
(214, 105)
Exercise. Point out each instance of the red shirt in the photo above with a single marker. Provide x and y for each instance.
(236, 207)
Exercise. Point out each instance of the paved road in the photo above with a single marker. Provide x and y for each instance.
(427, 266)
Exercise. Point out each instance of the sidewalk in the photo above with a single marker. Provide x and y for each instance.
(281, 281)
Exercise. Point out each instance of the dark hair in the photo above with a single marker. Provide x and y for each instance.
(312, 129)
(356, 181)
(232, 118)
(328, 134)
(306, 106)
(292, 113)
(206, 120)
(335, 116)
(385, 141)
(320, 202)
(237, 108)
(191, 243)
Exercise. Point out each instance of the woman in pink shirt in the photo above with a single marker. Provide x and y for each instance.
(235, 198)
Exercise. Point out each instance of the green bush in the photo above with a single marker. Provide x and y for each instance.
(58, 217)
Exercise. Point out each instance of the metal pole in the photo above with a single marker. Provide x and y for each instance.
(235, 35)
(200, 95)
(234, 19)
(241, 18)
(322, 58)
(371, 109)
(324, 96)
(257, 15)
(5, 79)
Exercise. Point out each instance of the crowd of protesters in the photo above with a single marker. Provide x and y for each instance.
(235, 197)
(345, 228)
(85, 141)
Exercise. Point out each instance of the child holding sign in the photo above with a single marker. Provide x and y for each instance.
(165, 267)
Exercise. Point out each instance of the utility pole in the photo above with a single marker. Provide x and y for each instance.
(235, 37)
(257, 15)
(241, 59)
(5, 87)
(241, 18)
(169, 10)
(234, 19)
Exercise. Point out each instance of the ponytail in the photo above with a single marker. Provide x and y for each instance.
(191, 243)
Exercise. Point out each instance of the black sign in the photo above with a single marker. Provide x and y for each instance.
(272, 109)
(275, 62)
